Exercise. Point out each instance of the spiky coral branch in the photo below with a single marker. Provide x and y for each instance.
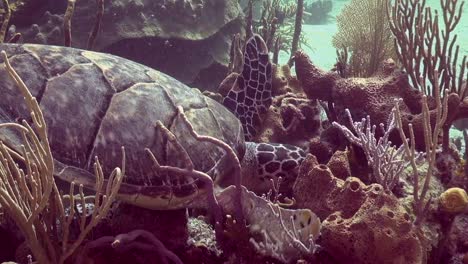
(6, 20)
(423, 47)
(97, 24)
(231, 155)
(188, 169)
(431, 139)
(67, 22)
(428, 51)
(384, 159)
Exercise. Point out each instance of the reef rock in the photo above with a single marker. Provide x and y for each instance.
(184, 38)
(363, 223)
(168, 226)
(457, 241)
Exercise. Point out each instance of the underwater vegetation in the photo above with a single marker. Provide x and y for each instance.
(364, 32)
(169, 132)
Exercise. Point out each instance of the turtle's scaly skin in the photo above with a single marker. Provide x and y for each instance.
(94, 103)
(270, 161)
(251, 94)
(249, 98)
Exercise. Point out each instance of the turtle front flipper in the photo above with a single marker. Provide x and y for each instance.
(251, 93)
(169, 196)
(264, 162)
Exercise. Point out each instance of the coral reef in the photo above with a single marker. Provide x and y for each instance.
(374, 97)
(362, 223)
(311, 185)
(325, 145)
(386, 161)
(271, 104)
(339, 164)
(425, 51)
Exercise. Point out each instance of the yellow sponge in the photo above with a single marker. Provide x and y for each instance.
(453, 200)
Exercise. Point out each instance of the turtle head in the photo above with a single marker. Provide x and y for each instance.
(264, 162)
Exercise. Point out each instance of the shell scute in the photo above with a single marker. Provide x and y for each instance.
(34, 76)
(118, 72)
(55, 59)
(96, 103)
(75, 101)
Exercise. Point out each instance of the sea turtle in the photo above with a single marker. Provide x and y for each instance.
(94, 103)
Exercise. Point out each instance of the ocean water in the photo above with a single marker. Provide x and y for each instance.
(319, 37)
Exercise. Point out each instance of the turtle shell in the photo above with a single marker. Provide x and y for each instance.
(94, 103)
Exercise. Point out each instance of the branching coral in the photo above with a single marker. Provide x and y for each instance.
(6, 20)
(384, 159)
(427, 52)
(431, 139)
(67, 22)
(424, 47)
(277, 27)
(297, 26)
(363, 29)
(97, 24)
(28, 192)
(5, 23)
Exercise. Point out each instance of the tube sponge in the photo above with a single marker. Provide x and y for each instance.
(453, 200)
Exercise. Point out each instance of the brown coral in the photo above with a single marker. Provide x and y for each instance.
(283, 81)
(363, 223)
(318, 189)
(373, 96)
(339, 164)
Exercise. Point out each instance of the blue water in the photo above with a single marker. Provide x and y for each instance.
(320, 37)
